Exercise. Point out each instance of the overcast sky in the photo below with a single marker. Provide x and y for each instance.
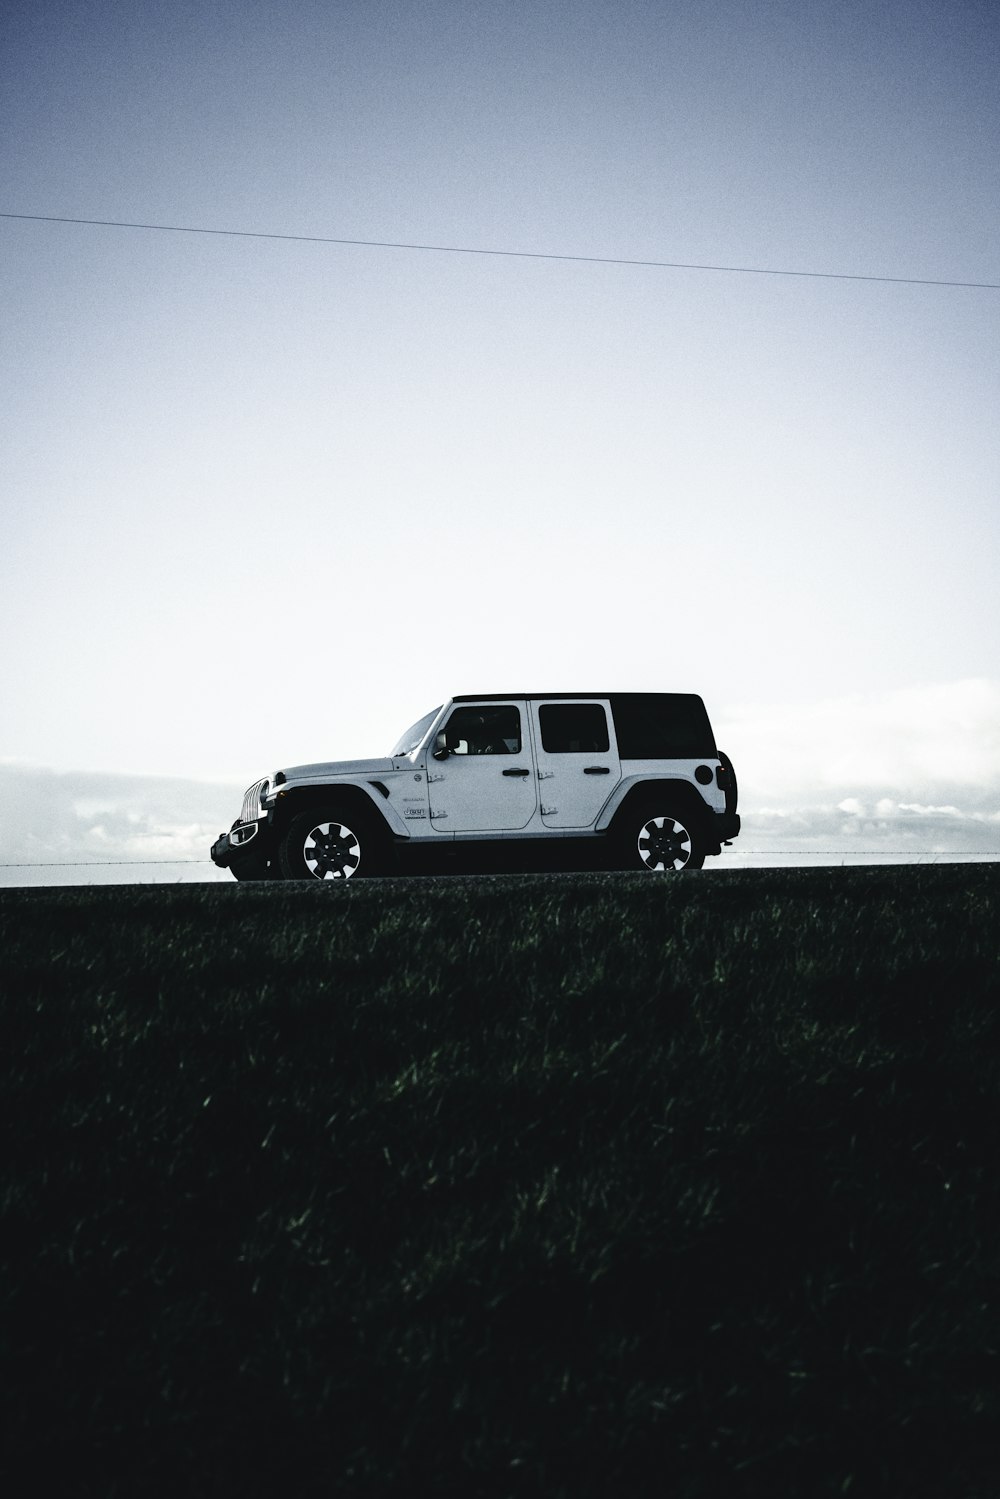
(266, 502)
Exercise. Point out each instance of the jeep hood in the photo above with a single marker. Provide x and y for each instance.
(325, 768)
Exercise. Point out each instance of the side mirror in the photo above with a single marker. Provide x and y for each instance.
(440, 750)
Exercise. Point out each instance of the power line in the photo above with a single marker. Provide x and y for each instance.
(97, 863)
(390, 244)
(750, 853)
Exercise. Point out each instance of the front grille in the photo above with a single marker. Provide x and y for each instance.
(251, 802)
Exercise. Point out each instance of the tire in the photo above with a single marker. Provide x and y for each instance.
(330, 843)
(659, 840)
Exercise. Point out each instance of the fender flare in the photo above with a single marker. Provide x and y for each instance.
(364, 798)
(680, 792)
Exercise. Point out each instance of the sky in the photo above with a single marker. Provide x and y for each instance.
(267, 501)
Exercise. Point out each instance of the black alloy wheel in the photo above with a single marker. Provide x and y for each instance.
(661, 841)
(325, 845)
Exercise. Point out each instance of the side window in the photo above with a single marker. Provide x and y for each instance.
(662, 726)
(484, 731)
(573, 728)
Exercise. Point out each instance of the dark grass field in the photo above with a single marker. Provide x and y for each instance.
(568, 1186)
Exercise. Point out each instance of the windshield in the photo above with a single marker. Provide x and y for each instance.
(414, 734)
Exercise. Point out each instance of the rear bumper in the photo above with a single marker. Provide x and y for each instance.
(725, 826)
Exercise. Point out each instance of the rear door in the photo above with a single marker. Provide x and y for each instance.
(578, 764)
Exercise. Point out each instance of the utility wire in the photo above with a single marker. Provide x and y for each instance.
(750, 853)
(390, 244)
(98, 863)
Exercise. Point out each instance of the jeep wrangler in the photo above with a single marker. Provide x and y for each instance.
(633, 780)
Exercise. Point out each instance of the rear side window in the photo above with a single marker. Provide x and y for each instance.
(573, 728)
(662, 726)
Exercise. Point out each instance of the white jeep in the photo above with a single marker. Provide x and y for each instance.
(624, 780)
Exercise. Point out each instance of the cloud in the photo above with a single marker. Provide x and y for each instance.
(148, 827)
(915, 770)
(919, 744)
(852, 827)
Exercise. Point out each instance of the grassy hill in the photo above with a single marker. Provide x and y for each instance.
(565, 1186)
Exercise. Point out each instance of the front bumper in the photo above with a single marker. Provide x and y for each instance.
(246, 848)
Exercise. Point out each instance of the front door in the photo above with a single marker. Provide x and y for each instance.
(487, 783)
(578, 764)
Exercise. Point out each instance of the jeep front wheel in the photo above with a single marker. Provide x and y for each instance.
(325, 844)
(659, 841)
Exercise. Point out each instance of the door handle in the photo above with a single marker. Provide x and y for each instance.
(517, 772)
(597, 770)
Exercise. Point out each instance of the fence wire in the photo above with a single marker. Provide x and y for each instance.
(740, 853)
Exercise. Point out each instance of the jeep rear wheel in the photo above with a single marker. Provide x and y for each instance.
(327, 844)
(659, 840)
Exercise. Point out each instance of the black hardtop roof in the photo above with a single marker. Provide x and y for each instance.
(506, 697)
